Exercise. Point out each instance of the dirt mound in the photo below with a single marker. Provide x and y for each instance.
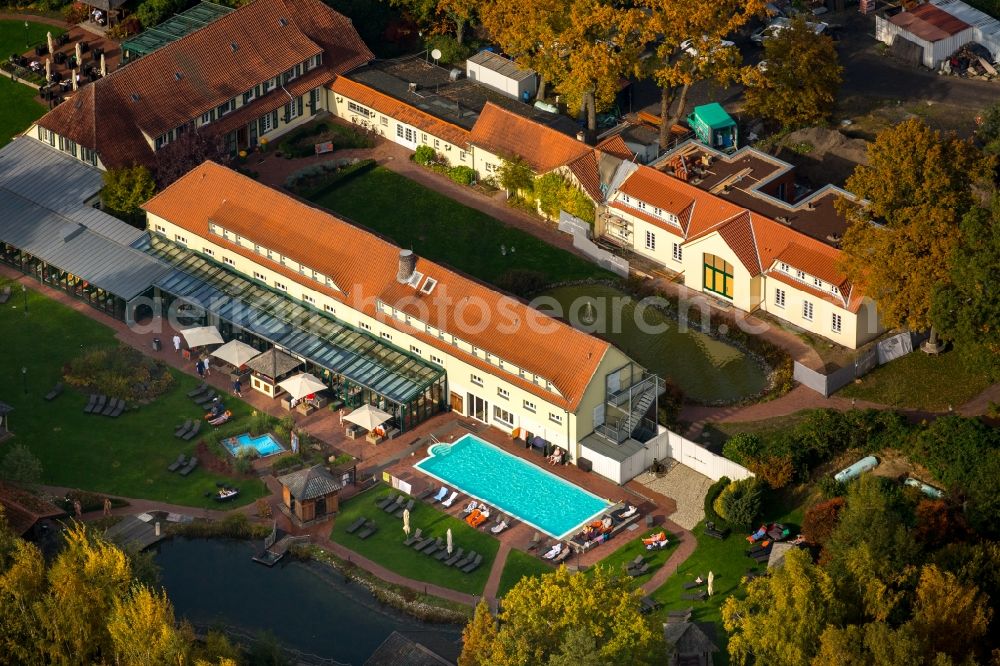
(823, 155)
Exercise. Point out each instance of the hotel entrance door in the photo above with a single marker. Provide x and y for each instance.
(479, 409)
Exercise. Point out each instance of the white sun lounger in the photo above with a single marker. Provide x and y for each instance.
(450, 500)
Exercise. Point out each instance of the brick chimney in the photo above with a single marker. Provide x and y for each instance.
(407, 264)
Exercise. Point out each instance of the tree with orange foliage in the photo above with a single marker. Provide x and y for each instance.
(706, 23)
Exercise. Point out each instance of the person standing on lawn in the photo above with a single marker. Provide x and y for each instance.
(177, 343)
(204, 364)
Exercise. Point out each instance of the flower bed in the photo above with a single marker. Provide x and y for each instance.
(120, 372)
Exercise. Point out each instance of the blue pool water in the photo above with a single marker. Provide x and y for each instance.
(514, 486)
(266, 445)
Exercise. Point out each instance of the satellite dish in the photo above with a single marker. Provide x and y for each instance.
(436, 54)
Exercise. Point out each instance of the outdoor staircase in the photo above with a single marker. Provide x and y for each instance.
(618, 429)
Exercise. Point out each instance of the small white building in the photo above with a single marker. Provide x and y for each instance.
(936, 32)
(502, 74)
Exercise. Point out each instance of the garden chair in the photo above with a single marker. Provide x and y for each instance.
(648, 604)
(435, 547)
(182, 430)
(206, 399)
(684, 613)
(369, 529)
(398, 504)
(413, 538)
(386, 501)
(109, 407)
(55, 392)
(118, 409)
(177, 464)
(472, 566)
(408, 507)
(422, 543)
(454, 557)
(642, 570)
(102, 402)
(187, 469)
(535, 541)
(195, 429)
(198, 391)
(356, 525)
(91, 404)
(470, 556)
(694, 583)
(565, 554)
(443, 554)
(695, 596)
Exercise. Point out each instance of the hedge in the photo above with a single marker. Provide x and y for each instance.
(713, 492)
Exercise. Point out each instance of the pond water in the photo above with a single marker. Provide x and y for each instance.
(306, 606)
(705, 369)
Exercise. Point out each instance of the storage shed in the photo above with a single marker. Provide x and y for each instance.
(502, 74)
(934, 31)
(714, 127)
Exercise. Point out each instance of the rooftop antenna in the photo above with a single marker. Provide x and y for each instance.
(436, 54)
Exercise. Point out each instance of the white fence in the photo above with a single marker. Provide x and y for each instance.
(580, 231)
(665, 445)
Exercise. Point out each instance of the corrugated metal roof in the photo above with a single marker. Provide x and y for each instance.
(43, 212)
(501, 65)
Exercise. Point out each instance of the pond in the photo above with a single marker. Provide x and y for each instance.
(306, 606)
(705, 369)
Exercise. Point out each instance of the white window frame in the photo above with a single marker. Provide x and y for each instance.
(650, 240)
(498, 413)
(503, 393)
(476, 379)
(808, 311)
(555, 418)
(529, 406)
(779, 298)
(678, 252)
(836, 323)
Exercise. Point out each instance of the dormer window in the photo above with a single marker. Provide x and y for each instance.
(626, 199)
(800, 275)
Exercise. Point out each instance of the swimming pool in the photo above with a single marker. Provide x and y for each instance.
(266, 445)
(514, 486)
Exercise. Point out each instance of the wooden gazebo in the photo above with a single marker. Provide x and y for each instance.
(270, 368)
(5, 432)
(691, 646)
(310, 493)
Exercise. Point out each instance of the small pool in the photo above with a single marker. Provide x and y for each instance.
(514, 486)
(265, 445)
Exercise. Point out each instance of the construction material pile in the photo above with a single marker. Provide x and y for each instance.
(972, 61)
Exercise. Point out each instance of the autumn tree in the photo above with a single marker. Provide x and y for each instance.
(783, 616)
(706, 23)
(515, 175)
(478, 637)
(966, 309)
(952, 617)
(914, 190)
(530, 32)
(459, 12)
(872, 644)
(821, 519)
(143, 629)
(542, 619)
(21, 466)
(125, 190)
(800, 82)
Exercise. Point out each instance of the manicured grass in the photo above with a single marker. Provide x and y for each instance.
(126, 456)
(19, 109)
(386, 547)
(12, 36)
(920, 381)
(718, 433)
(520, 565)
(619, 560)
(727, 560)
(445, 231)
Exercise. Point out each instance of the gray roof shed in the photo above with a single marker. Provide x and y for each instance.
(310, 483)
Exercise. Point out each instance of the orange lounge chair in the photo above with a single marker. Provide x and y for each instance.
(655, 538)
(477, 519)
(476, 513)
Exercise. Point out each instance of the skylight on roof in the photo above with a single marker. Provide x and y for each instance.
(415, 279)
(429, 285)
(234, 46)
(178, 76)
(135, 97)
(283, 22)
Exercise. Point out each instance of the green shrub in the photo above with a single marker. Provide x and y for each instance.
(342, 459)
(710, 496)
(522, 281)
(425, 155)
(743, 448)
(317, 179)
(554, 193)
(462, 175)
(739, 503)
(121, 372)
(451, 51)
(287, 461)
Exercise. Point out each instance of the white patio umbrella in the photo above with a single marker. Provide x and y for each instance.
(406, 522)
(711, 581)
(79, 55)
(48, 70)
(51, 42)
(73, 76)
(104, 68)
(450, 545)
(200, 336)
(302, 385)
(368, 417)
(235, 353)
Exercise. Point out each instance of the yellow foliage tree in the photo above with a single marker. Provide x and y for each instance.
(529, 31)
(144, 631)
(478, 637)
(916, 187)
(802, 76)
(951, 617)
(539, 613)
(706, 23)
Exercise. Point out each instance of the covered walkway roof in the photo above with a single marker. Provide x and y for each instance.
(360, 357)
(173, 29)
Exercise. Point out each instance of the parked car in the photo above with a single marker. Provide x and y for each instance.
(688, 45)
(779, 24)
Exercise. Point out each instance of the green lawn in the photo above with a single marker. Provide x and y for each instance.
(619, 559)
(727, 560)
(520, 565)
(920, 381)
(126, 456)
(386, 547)
(445, 231)
(19, 109)
(12, 36)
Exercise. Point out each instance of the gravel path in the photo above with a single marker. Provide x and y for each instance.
(685, 486)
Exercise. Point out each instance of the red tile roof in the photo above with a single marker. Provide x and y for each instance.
(930, 23)
(506, 134)
(147, 97)
(615, 145)
(364, 267)
(658, 222)
(401, 111)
